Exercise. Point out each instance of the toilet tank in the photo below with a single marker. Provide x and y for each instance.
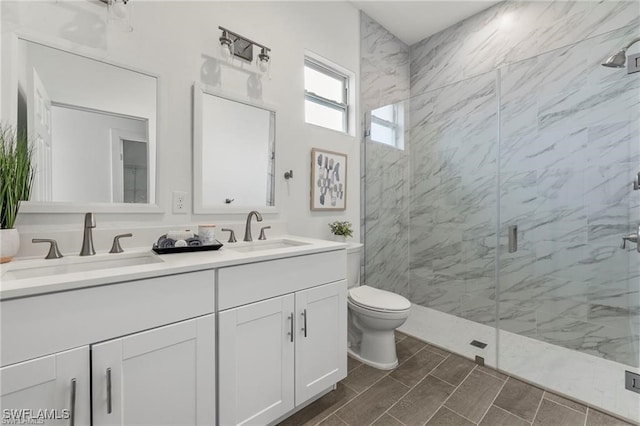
(354, 251)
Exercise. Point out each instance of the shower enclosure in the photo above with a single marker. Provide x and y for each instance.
(501, 200)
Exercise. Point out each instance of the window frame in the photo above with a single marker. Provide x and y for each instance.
(343, 106)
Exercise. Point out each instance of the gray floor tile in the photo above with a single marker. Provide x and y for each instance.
(416, 367)
(352, 363)
(474, 396)
(490, 371)
(400, 336)
(519, 398)
(332, 420)
(370, 404)
(439, 351)
(552, 414)
(446, 417)
(454, 369)
(498, 417)
(321, 408)
(387, 420)
(407, 347)
(422, 402)
(597, 418)
(566, 402)
(362, 377)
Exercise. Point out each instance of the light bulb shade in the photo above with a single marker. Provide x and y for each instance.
(119, 15)
(225, 51)
(263, 60)
(617, 60)
(225, 45)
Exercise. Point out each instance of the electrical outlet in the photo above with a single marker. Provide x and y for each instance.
(179, 202)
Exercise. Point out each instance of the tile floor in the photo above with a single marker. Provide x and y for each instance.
(434, 387)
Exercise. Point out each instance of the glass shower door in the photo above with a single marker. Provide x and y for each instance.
(568, 292)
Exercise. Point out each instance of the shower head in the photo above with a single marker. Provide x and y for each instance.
(618, 59)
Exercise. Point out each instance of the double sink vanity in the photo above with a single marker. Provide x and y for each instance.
(247, 334)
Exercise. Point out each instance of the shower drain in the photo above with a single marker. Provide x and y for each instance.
(478, 344)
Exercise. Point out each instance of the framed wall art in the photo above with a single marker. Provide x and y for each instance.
(328, 180)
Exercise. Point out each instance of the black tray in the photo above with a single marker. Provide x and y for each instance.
(169, 250)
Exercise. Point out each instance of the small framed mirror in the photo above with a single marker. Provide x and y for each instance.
(233, 154)
(93, 128)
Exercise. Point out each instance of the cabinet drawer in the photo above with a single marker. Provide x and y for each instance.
(239, 285)
(42, 325)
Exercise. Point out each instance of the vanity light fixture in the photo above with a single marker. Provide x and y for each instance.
(233, 44)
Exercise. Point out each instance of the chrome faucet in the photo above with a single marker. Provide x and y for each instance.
(87, 239)
(247, 229)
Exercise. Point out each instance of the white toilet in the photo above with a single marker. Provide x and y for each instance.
(373, 317)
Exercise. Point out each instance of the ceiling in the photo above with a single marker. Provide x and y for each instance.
(412, 21)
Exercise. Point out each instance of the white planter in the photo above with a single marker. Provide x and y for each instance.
(339, 238)
(9, 244)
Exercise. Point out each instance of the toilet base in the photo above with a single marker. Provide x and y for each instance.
(354, 353)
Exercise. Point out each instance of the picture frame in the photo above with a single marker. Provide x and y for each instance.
(328, 180)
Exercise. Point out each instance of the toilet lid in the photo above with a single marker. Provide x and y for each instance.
(382, 300)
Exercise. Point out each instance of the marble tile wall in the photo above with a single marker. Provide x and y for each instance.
(384, 80)
(564, 148)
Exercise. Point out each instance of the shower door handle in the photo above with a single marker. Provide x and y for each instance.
(513, 238)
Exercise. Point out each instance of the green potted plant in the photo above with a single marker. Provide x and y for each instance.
(341, 229)
(16, 180)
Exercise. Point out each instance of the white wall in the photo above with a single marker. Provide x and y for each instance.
(172, 40)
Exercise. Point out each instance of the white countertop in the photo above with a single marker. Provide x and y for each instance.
(171, 264)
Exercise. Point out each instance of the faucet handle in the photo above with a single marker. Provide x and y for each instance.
(116, 247)
(89, 220)
(54, 253)
(262, 234)
(232, 235)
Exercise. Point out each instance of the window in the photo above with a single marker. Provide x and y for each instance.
(387, 125)
(325, 96)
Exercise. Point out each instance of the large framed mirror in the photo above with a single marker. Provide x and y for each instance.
(233, 154)
(93, 129)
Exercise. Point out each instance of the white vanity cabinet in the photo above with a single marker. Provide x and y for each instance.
(57, 384)
(256, 358)
(321, 339)
(278, 353)
(164, 376)
(147, 346)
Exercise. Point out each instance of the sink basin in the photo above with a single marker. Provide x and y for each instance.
(70, 265)
(267, 245)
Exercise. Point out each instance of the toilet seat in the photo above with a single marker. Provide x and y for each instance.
(378, 300)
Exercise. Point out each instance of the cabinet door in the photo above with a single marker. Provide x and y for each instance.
(321, 347)
(164, 376)
(256, 362)
(54, 388)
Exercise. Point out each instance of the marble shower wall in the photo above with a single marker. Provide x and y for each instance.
(565, 149)
(384, 80)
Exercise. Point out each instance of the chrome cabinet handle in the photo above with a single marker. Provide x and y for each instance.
(54, 253)
(304, 314)
(109, 391)
(72, 404)
(291, 330)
